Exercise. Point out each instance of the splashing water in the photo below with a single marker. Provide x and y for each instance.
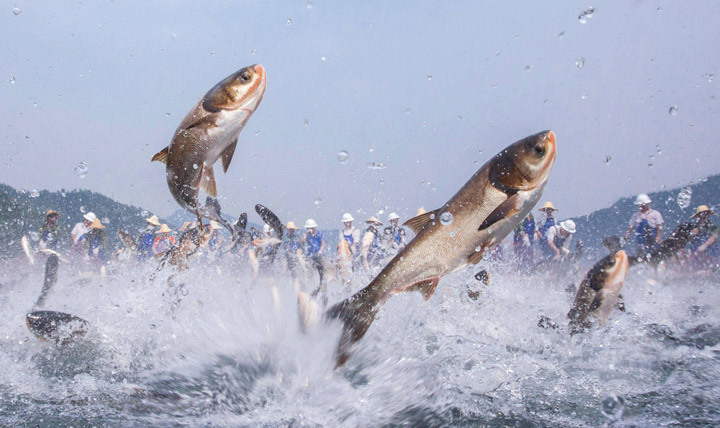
(446, 218)
(684, 197)
(81, 170)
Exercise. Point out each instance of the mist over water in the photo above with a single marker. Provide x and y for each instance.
(213, 349)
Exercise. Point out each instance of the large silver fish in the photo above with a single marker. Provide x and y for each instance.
(599, 292)
(479, 216)
(207, 133)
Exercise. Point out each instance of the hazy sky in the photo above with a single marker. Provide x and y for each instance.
(430, 89)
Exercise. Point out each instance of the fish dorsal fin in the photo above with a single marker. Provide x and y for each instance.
(161, 156)
(510, 207)
(475, 257)
(426, 287)
(207, 181)
(416, 224)
(227, 155)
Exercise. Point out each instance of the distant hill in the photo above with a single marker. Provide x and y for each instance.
(22, 212)
(614, 220)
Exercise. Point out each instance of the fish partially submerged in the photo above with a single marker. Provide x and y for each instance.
(599, 292)
(478, 217)
(207, 133)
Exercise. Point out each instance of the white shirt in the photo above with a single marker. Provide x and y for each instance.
(553, 232)
(653, 218)
(78, 231)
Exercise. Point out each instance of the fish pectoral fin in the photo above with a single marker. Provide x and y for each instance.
(227, 155)
(510, 207)
(426, 287)
(161, 156)
(416, 224)
(475, 257)
(207, 181)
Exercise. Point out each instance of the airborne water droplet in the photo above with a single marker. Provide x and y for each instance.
(608, 159)
(317, 201)
(613, 407)
(528, 67)
(376, 165)
(253, 52)
(12, 80)
(429, 76)
(34, 193)
(81, 170)
(309, 4)
(288, 21)
(105, 220)
(17, 11)
(34, 236)
(673, 110)
(144, 213)
(684, 197)
(580, 63)
(342, 156)
(83, 209)
(446, 218)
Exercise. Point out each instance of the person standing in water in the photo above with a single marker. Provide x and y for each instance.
(558, 238)
(95, 242)
(291, 245)
(647, 225)
(348, 248)
(704, 246)
(371, 251)
(146, 240)
(78, 234)
(548, 209)
(164, 241)
(314, 241)
(394, 235)
(523, 240)
(49, 231)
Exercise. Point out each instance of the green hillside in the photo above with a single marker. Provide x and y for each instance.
(22, 212)
(614, 220)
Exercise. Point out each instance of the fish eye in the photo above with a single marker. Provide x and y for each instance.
(245, 76)
(539, 150)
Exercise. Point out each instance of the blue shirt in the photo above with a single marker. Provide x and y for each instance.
(314, 242)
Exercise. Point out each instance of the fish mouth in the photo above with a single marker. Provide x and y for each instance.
(621, 267)
(256, 94)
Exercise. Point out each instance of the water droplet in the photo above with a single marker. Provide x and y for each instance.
(432, 216)
(212, 53)
(253, 52)
(382, 181)
(105, 220)
(34, 236)
(306, 123)
(452, 234)
(195, 166)
(288, 21)
(12, 80)
(34, 193)
(684, 197)
(81, 170)
(613, 407)
(459, 117)
(408, 110)
(257, 132)
(528, 67)
(376, 165)
(586, 14)
(17, 11)
(429, 76)
(659, 150)
(317, 201)
(650, 164)
(342, 156)
(562, 33)
(322, 58)
(144, 214)
(478, 248)
(167, 113)
(583, 96)
(446, 218)
(580, 63)
(309, 4)
(673, 110)
(608, 159)
(83, 209)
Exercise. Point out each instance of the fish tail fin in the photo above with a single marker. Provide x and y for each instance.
(161, 156)
(51, 275)
(357, 314)
(211, 210)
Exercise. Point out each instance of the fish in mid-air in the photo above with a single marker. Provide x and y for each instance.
(207, 133)
(478, 217)
(599, 292)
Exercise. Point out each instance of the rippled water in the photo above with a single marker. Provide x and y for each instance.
(212, 349)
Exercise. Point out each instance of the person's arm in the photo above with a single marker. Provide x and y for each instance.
(658, 238)
(550, 236)
(706, 244)
(322, 245)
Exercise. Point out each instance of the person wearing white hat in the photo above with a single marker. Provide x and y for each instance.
(314, 241)
(548, 209)
(371, 252)
(646, 224)
(704, 242)
(146, 240)
(394, 234)
(78, 233)
(558, 238)
(350, 234)
(95, 242)
(348, 247)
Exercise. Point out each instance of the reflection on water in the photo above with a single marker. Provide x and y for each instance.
(212, 349)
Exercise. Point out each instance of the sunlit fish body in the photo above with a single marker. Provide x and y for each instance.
(479, 216)
(599, 292)
(207, 133)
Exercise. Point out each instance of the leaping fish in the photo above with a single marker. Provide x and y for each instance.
(207, 133)
(479, 216)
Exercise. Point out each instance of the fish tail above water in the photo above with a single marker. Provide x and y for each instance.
(356, 313)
